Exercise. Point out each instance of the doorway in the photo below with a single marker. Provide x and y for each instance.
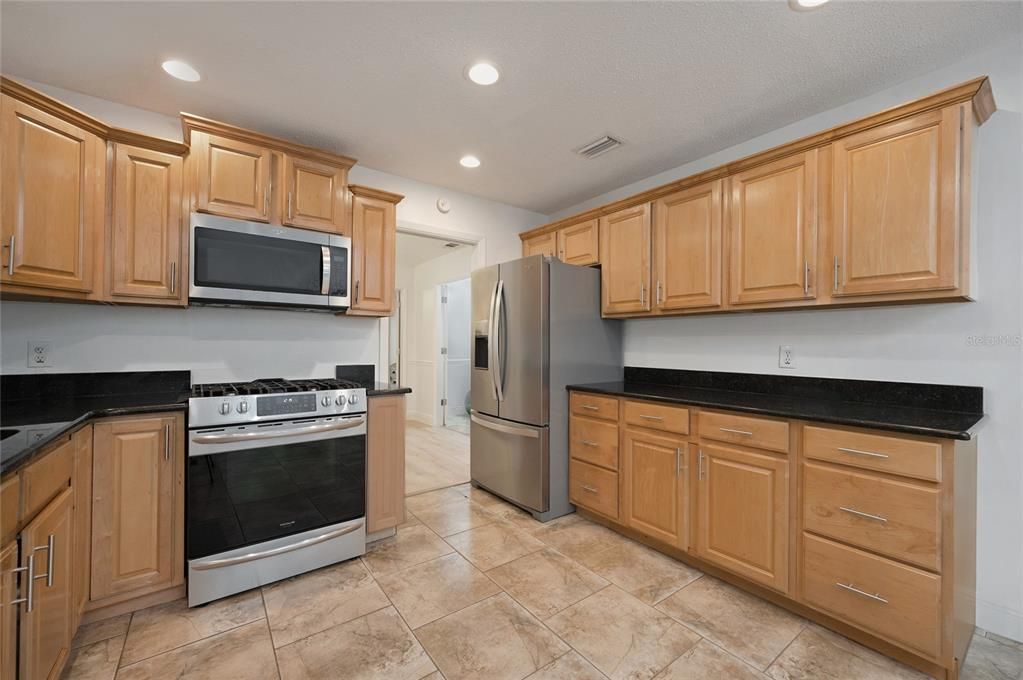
(456, 329)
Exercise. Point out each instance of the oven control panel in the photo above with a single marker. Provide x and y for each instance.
(286, 404)
(241, 409)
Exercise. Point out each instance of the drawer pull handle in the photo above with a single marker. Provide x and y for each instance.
(646, 417)
(858, 513)
(744, 433)
(857, 452)
(590, 407)
(587, 442)
(591, 489)
(870, 596)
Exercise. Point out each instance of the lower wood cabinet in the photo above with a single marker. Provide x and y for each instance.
(81, 482)
(8, 610)
(385, 463)
(655, 486)
(138, 507)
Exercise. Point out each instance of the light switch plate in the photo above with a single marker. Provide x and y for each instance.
(40, 354)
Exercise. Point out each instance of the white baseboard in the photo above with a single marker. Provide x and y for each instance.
(1000, 619)
(419, 417)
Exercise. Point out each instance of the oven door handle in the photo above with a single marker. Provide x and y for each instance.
(249, 557)
(278, 434)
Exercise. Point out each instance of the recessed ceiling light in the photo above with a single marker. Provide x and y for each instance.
(805, 5)
(483, 73)
(469, 162)
(180, 70)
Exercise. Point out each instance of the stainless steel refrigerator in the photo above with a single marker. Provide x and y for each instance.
(536, 329)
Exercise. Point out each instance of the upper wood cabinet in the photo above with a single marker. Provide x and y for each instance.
(314, 194)
(687, 248)
(896, 205)
(772, 227)
(543, 244)
(655, 482)
(147, 226)
(52, 200)
(374, 231)
(232, 177)
(743, 514)
(385, 463)
(625, 260)
(579, 244)
(138, 507)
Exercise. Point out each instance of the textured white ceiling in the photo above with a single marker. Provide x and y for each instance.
(383, 81)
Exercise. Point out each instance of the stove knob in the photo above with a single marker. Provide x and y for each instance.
(353, 399)
(225, 408)
(326, 400)
(243, 407)
(340, 400)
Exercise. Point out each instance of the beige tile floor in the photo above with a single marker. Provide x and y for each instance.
(473, 588)
(435, 457)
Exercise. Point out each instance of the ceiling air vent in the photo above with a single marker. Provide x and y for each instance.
(451, 244)
(598, 147)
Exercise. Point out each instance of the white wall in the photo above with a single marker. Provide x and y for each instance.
(925, 343)
(224, 344)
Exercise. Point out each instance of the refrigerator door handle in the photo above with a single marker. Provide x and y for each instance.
(506, 429)
(491, 340)
(496, 340)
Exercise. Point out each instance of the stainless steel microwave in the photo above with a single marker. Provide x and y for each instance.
(263, 265)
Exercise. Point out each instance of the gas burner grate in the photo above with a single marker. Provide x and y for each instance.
(270, 386)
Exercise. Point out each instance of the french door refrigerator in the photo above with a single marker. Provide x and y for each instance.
(536, 329)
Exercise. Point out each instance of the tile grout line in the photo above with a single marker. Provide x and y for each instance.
(186, 644)
(269, 630)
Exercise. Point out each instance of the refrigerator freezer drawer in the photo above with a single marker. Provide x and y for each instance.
(511, 459)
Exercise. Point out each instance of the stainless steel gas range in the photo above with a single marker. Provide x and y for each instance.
(276, 482)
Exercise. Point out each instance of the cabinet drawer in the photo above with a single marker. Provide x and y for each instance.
(893, 600)
(761, 433)
(47, 477)
(898, 519)
(656, 416)
(585, 404)
(898, 455)
(593, 488)
(593, 441)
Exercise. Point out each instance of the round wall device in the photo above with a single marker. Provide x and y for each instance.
(443, 205)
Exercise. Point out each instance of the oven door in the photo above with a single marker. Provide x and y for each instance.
(260, 264)
(256, 483)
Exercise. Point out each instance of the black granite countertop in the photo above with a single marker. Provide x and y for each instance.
(36, 410)
(365, 375)
(932, 410)
(383, 389)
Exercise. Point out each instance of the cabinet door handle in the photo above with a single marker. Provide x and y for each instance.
(660, 297)
(744, 433)
(266, 201)
(657, 418)
(678, 462)
(50, 540)
(642, 294)
(590, 489)
(806, 277)
(10, 256)
(29, 598)
(290, 213)
(858, 452)
(835, 274)
(167, 442)
(173, 277)
(356, 292)
(862, 593)
(699, 460)
(859, 513)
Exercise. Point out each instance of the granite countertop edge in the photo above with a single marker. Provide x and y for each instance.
(733, 401)
(32, 451)
(383, 390)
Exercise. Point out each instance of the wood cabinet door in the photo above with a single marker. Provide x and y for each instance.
(374, 230)
(895, 210)
(579, 244)
(625, 260)
(687, 248)
(544, 244)
(52, 200)
(46, 630)
(81, 482)
(138, 495)
(145, 246)
(771, 229)
(8, 611)
(314, 195)
(385, 463)
(743, 515)
(232, 177)
(654, 493)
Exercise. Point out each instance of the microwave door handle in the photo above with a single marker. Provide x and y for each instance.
(499, 366)
(325, 280)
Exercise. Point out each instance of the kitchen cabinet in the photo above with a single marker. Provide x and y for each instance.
(896, 206)
(743, 513)
(625, 260)
(385, 463)
(53, 175)
(374, 231)
(772, 231)
(543, 244)
(655, 486)
(46, 627)
(146, 255)
(314, 194)
(232, 177)
(8, 610)
(579, 244)
(81, 482)
(138, 507)
(687, 248)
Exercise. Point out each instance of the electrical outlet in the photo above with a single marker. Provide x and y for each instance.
(786, 356)
(40, 354)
